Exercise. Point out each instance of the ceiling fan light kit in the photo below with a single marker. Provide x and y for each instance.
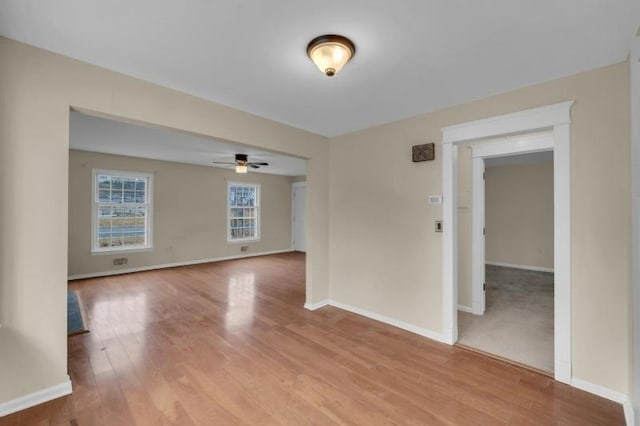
(242, 163)
(330, 53)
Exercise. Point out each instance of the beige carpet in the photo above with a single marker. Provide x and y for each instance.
(518, 321)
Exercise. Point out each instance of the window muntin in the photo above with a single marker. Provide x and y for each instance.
(243, 222)
(122, 211)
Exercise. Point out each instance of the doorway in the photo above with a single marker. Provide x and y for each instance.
(557, 119)
(512, 308)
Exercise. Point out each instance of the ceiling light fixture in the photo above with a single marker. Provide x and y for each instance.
(241, 168)
(330, 52)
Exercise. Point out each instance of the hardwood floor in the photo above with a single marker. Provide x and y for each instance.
(230, 343)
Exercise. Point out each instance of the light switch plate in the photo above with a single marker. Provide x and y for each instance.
(435, 199)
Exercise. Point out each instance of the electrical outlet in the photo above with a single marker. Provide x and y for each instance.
(120, 261)
(244, 248)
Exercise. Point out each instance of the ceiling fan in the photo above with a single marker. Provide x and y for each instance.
(241, 163)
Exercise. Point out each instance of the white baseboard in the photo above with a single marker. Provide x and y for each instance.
(562, 371)
(173, 265)
(609, 394)
(465, 309)
(526, 267)
(391, 321)
(314, 306)
(35, 398)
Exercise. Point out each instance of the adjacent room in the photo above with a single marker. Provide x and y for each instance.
(146, 198)
(287, 212)
(517, 322)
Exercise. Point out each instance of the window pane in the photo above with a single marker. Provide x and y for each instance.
(103, 195)
(116, 196)
(129, 184)
(141, 184)
(129, 196)
(232, 195)
(104, 182)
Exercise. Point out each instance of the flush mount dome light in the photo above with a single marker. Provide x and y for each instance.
(330, 52)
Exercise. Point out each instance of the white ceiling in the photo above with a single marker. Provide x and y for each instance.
(111, 137)
(412, 56)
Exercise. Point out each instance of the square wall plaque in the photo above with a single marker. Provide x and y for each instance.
(424, 152)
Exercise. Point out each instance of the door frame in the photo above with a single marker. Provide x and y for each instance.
(557, 119)
(295, 185)
(492, 149)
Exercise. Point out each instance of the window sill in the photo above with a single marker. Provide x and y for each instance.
(120, 251)
(252, 240)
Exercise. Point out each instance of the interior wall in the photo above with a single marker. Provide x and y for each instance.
(519, 214)
(38, 89)
(189, 212)
(386, 257)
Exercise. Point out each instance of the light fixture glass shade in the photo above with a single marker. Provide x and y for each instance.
(330, 53)
(241, 169)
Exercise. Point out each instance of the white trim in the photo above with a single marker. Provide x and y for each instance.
(294, 186)
(527, 121)
(609, 394)
(525, 267)
(35, 398)
(514, 145)
(477, 230)
(257, 206)
(449, 237)
(173, 265)
(148, 245)
(562, 339)
(466, 309)
(557, 118)
(314, 306)
(390, 321)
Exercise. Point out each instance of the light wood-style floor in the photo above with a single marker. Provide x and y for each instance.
(230, 343)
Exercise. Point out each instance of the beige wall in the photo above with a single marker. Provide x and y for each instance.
(519, 214)
(386, 258)
(38, 89)
(189, 212)
(384, 255)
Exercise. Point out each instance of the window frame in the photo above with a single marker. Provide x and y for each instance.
(257, 207)
(95, 204)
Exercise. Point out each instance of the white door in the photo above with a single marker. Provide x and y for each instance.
(299, 213)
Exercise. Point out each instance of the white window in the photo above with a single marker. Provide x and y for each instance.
(243, 222)
(121, 211)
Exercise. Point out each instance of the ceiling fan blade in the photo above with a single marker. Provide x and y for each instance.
(260, 164)
(222, 162)
(253, 165)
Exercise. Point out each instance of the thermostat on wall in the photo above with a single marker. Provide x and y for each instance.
(435, 199)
